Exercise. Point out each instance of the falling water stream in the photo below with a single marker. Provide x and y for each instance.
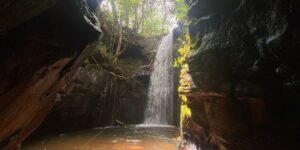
(159, 108)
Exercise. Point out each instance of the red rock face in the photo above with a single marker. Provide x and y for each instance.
(37, 59)
(219, 122)
(224, 120)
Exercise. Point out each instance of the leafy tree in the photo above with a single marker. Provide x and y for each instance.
(180, 10)
(143, 17)
(146, 17)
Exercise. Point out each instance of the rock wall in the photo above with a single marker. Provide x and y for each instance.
(96, 97)
(42, 44)
(245, 64)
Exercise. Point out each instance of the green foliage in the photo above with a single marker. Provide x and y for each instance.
(183, 52)
(152, 25)
(128, 7)
(181, 9)
(146, 17)
(184, 82)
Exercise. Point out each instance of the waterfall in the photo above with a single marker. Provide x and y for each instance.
(159, 108)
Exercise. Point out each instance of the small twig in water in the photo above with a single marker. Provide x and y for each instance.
(91, 139)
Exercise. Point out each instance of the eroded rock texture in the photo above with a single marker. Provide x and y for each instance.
(42, 44)
(95, 97)
(245, 63)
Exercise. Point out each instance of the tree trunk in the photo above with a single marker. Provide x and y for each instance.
(165, 17)
(142, 17)
(118, 50)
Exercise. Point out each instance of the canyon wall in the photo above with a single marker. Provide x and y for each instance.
(42, 44)
(245, 64)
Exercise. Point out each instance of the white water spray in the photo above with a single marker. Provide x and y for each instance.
(159, 108)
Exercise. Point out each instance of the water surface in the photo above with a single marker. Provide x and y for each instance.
(110, 138)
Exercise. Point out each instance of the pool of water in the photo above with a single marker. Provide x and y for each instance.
(141, 137)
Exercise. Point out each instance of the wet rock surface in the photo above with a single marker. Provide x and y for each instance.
(95, 97)
(244, 62)
(40, 53)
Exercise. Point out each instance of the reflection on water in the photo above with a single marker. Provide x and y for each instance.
(110, 138)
